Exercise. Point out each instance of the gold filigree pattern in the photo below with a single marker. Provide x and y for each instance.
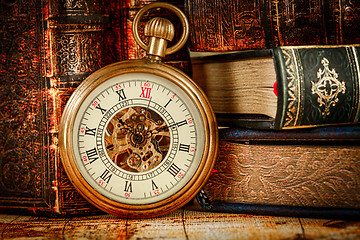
(327, 87)
(75, 4)
(67, 53)
(292, 78)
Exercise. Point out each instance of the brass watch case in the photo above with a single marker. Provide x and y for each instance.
(175, 201)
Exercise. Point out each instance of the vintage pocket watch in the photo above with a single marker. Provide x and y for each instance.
(138, 138)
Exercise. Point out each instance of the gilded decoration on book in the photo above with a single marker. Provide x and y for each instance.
(78, 53)
(327, 87)
(74, 4)
(293, 78)
(248, 25)
(67, 54)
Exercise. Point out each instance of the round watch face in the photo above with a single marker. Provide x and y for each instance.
(138, 142)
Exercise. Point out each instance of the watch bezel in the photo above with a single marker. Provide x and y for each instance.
(190, 189)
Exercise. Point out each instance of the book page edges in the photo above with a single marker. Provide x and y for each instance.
(238, 86)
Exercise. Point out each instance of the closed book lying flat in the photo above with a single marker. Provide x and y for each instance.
(302, 172)
(283, 87)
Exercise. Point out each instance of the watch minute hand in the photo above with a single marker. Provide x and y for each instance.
(163, 128)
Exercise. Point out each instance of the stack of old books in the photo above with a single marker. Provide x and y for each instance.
(284, 80)
(48, 47)
(285, 94)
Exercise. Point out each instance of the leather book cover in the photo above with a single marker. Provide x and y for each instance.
(317, 85)
(307, 172)
(343, 21)
(244, 25)
(48, 48)
(76, 41)
(27, 175)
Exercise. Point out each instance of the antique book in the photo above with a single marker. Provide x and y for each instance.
(284, 87)
(302, 172)
(260, 24)
(48, 47)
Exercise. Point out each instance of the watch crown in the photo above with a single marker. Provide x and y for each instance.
(160, 28)
(160, 31)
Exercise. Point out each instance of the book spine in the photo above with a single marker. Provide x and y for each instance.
(333, 134)
(296, 23)
(343, 21)
(286, 175)
(25, 172)
(276, 210)
(76, 47)
(232, 25)
(317, 86)
(226, 25)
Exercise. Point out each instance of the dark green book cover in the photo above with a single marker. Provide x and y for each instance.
(317, 85)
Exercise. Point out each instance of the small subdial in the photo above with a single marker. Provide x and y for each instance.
(137, 139)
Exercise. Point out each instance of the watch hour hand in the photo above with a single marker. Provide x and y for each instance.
(157, 130)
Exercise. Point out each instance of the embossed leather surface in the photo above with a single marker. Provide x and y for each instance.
(312, 175)
(317, 85)
(48, 47)
(300, 173)
(24, 143)
(237, 25)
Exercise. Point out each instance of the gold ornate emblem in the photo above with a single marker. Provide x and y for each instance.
(327, 87)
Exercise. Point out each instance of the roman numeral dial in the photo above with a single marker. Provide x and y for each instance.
(136, 139)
